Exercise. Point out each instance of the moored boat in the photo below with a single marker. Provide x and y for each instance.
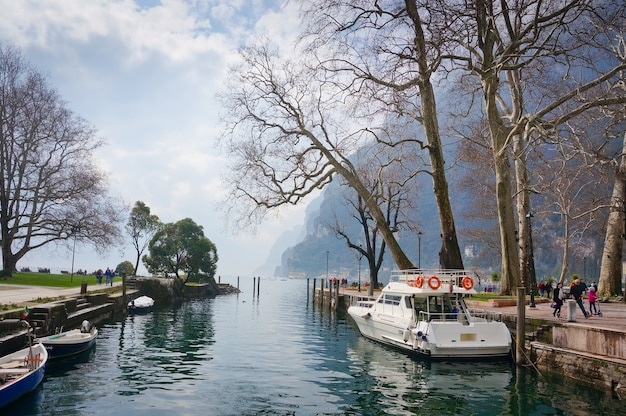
(70, 342)
(21, 372)
(142, 304)
(424, 312)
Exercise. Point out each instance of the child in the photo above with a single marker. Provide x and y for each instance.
(592, 296)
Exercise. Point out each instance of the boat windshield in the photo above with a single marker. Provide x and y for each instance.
(442, 307)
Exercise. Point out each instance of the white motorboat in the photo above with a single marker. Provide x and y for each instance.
(75, 341)
(424, 312)
(142, 304)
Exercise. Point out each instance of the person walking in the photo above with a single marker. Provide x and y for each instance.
(557, 295)
(577, 290)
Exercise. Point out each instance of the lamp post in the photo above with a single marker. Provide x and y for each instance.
(360, 258)
(326, 265)
(75, 229)
(531, 261)
(419, 249)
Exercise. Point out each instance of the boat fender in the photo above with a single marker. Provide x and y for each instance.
(434, 283)
(467, 283)
(419, 281)
(420, 333)
(424, 338)
(406, 335)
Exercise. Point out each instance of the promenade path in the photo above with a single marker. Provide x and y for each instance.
(22, 294)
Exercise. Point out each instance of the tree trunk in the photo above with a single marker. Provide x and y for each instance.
(504, 195)
(611, 268)
(565, 251)
(523, 209)
(450, 253)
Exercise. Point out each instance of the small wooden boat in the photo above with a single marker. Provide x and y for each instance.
(21, 372)
(142, 304)
(70, 342)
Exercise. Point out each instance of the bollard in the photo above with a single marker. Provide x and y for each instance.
(571, 310)
(83, 288)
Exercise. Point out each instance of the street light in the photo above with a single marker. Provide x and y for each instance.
(327, 265)
(531, 261)
(419, 249)
(75, 229)
(360, 258)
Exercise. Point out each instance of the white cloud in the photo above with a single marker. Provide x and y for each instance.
(145, 74)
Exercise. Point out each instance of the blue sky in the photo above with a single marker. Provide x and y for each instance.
(145, 74)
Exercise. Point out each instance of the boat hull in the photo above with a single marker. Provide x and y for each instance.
(69, 343)
(396, 336)
(15, 386)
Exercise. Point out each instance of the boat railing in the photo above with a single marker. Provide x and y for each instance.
(363, 301)
(475, 315)
(454, 276)
(484, 315)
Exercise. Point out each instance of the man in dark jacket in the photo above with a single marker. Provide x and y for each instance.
(578, 289)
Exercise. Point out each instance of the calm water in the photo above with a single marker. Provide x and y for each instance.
(276, 354)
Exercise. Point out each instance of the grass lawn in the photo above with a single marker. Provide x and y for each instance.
(47, 279)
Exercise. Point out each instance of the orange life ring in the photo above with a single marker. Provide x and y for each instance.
(419, 282)
(467, 283)
(434, 283)
(411, 283)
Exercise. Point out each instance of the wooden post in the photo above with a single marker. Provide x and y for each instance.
(337, 295)
(124, 303)
(307, 290)
(520, 327)
(219, 279)
(322, 292)
(237, 282)
(253, 285)
(313, 294)
(258, 286)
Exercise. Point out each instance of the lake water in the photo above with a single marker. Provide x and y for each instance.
(277, 354)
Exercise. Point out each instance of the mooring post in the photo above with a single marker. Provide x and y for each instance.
(520, 328)
(237, 282)
(322, 292)
(253, 285)
(124, 303)
(313, 294)
(258, 286)
(307, 290)
(571, 310)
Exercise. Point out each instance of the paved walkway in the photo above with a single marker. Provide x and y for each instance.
(21, 294)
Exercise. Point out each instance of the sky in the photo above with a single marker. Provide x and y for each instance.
(145, 74)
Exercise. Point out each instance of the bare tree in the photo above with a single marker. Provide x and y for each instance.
(289, 130)
(395, 197)
(392, 50)
(515, 43)
(50, 186)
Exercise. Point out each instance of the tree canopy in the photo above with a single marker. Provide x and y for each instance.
(141, 226)
(181, 247)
